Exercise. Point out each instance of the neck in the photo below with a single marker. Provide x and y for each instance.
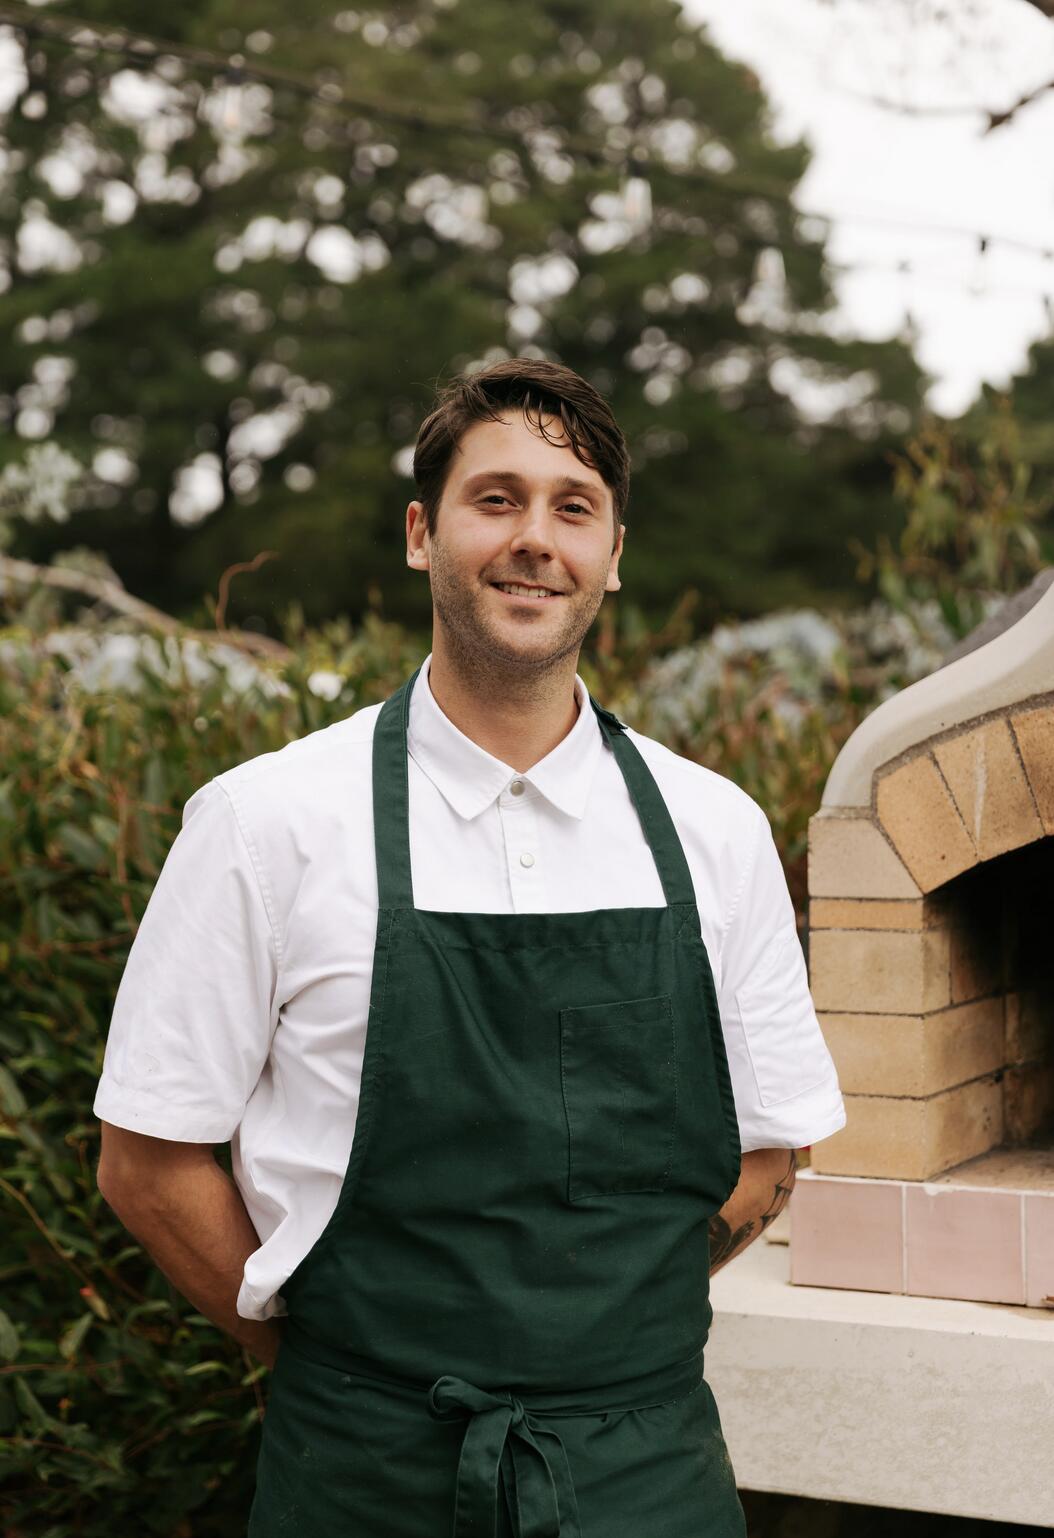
(516, 715)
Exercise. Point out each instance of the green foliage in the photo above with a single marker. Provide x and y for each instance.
(43, 485)
(122, 1410)
(120, 1407)
(974, 519)
(477, 155)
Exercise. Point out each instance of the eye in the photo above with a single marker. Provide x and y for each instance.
(494, 496)
(576, 507)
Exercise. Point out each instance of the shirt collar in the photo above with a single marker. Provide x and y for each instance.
(471, 779)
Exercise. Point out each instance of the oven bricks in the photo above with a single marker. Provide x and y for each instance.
(942, 1055)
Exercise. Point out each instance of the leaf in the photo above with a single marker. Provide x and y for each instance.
(155, 781)
(200, 1368)
(12, 1099)
(95, 1302)
(104, 828)
(70, 1340)
(62, 1185)
(31, 1406)
(30, 1137)
(80, 846)
(9, 1341)
(48, 918)
(152, 1306)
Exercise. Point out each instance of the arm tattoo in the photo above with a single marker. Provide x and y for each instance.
(781, 1195)
(724, 1243)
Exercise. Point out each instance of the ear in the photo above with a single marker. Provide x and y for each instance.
(417, 539)
(614, 582)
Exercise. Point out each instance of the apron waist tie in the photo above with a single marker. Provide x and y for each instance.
(505, 1442)
(502, 1438)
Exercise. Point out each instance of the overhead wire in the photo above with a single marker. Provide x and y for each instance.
(144, 50)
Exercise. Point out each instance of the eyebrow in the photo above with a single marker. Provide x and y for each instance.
(511, 478)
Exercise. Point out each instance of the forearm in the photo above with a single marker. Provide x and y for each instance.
(765, 1184)
(194, 1226)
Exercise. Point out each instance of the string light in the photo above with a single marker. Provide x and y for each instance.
(231, 121)
(976, 284)
(635, 199)
(635, 192)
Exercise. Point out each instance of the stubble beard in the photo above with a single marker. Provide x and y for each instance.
(481, 652)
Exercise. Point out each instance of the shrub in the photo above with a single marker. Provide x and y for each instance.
(121, 1409)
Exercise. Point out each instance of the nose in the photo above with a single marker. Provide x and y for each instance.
(534, 531)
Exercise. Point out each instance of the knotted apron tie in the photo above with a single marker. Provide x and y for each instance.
(502, 1439)
(506, 1452)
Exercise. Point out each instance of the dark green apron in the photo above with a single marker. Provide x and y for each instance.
(501, 1329)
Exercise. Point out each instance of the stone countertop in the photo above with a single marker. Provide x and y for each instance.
(924, 1404)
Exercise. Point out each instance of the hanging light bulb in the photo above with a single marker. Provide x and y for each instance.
(978, 283)
(231, 110)
(904, 271)
(635, 197)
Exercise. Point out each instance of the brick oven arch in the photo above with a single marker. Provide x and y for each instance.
(970, 794)
(931, 861)
(933, 806)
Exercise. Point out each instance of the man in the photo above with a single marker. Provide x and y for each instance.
(488, 1218)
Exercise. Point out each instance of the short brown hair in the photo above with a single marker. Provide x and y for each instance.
(539, 389)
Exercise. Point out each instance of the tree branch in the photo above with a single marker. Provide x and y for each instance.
(997, 119)
(114, 596)
(994, 117)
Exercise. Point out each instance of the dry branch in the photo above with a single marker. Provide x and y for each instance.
(114, 596)
(995, 117)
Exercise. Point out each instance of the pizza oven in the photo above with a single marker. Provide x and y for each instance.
(931, 953)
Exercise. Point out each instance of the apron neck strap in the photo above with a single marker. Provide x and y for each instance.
(391, 805)
(391, 800)
(652, 810)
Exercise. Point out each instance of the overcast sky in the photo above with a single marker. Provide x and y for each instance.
(908, 193)
(888, 178)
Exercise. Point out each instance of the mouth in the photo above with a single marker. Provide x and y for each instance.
(530, 592)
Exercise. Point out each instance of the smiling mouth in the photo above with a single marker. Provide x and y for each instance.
(526, 590)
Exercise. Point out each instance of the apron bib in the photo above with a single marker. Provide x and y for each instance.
(500, 1332)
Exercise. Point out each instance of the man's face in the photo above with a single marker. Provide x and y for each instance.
(518, 511)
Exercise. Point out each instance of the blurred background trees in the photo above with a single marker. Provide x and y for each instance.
(240, 259)
(233, 264)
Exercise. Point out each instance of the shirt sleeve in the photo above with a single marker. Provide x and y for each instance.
(784, 1081)
(196, 1007)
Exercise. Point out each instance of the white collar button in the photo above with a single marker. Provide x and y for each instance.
(516, 788)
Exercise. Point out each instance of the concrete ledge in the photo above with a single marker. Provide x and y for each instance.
(924, 1404)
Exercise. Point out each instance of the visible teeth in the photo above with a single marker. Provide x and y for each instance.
(525, 592)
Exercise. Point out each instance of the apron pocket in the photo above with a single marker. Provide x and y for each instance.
(618, 1065)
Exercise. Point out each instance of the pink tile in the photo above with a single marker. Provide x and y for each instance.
(964, 1242)
(846, 1233)
(1039, 1249)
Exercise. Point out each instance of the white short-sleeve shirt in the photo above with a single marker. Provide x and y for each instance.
(241, 1014)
